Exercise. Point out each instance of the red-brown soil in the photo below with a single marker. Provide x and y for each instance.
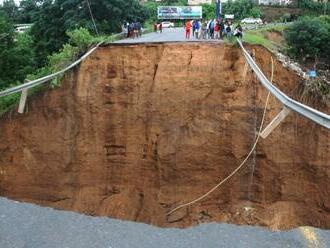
(275, 36)
(138, 129)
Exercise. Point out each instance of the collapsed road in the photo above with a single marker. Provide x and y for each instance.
(140, 128)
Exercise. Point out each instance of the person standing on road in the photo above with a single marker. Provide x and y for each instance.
(200, 29)
(208, 29)
(124, 29)
(216, 30)
(155, 27)
(187, 29)
(211, 29)
(160, 28)
(136, 30)
(228, 30)
(139, 29)
(204, 30)
(193, 23)
(128, 29)
(221, 29)
(197, 28)
(131, 30)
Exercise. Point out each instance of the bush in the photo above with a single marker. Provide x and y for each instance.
(7, 102)
(308, 38)
(79, 41)
(255, 12)
(81, 38)
(63, 58)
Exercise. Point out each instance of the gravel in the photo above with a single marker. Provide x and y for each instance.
(27, 225)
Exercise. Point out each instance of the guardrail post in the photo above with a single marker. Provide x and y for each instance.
(275, 122)
(316, 116)
(22, 101)
(245, 70)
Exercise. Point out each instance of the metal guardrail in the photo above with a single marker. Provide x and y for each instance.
(313, 114)
(47, 78)
(306, 111)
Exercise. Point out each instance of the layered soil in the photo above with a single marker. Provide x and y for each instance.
(138, 129)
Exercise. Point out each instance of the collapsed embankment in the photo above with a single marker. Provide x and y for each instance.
(138, 129)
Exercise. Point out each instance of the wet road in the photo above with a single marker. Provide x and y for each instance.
(178, 35)
(168, 35)
(29, 226)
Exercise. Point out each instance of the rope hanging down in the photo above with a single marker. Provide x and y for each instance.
(238, 167)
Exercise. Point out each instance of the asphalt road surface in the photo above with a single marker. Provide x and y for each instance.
(168, 35)
(25, 225)
(178, 34)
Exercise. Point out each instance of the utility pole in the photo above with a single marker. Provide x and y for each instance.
(218, 9)
(91, 13)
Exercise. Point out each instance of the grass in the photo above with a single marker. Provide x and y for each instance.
(7, 102)
(315, 91)
(258, 36)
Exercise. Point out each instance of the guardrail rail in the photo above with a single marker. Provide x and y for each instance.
(47, 78)
(302, 109)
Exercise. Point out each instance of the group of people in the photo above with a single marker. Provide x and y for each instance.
(133, 30)
(158, 27)
(212, 29)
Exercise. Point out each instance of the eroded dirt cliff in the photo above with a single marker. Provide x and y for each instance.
(138, 129)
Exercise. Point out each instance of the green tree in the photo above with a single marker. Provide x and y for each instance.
(21, 58)
(28, 10)
(308, 38)
(6, 42)
(151, 9)
(56, 17)
(174, 2)
(16, 54)
(208, 11)
(255, 12)
(242, 8)
(10, 9)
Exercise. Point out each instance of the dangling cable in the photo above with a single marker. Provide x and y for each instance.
(238, 167)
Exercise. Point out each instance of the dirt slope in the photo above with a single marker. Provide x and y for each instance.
(138, 129)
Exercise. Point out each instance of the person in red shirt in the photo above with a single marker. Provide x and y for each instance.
(188, 28)
(217, 30)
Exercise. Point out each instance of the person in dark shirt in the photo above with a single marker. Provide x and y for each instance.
(238, 31)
